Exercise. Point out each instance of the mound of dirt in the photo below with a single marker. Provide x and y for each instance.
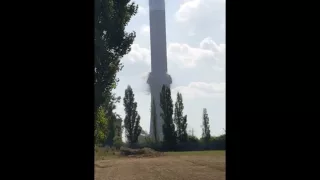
(144, 152)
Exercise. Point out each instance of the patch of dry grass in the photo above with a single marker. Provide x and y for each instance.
(105, 153)
(204, 165)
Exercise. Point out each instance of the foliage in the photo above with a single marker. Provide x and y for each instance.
(169, 134)
(112, 118)
(117, 142)
(149, 140)
(205, 126)
(141, 152)
(154, 119)
(101, 127)
(111, 43)
(180, 120)
(193, 144)
(193, 139)
(132, 118)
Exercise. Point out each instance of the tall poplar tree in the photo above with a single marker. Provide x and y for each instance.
(205, 126)
(168, 128)
(180, 120)
(132, 118)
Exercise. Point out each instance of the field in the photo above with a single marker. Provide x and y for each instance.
(196, 165)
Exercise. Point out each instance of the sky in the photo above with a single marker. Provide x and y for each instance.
(196, 61)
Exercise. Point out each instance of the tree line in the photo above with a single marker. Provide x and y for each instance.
(175, 136)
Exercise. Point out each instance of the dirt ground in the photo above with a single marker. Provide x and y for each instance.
(185, 167)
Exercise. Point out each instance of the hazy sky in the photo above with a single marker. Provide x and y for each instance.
(196, 61)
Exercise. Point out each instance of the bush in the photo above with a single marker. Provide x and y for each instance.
(138, 152)
(117, 142)
(193, 139)
(193, 144)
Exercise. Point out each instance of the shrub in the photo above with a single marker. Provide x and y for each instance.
(138, 152)
(117, 142)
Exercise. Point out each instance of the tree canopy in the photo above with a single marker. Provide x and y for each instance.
(111, 43)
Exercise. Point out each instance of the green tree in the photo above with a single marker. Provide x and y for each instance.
(112, 117)
(180, 120)
(117, 142)
(168, 128)
(111, 43)
(205, 126)
(101, 127)
(184, 134)
(111, 130)
(193, 139)
(132, 118)
(154, 119)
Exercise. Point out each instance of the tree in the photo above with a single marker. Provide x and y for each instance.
(117, 142)
(111, 43)
(111, 130)
(193, 139)
(132, 118)
(154, 119)
(205, 126)
(101, 127)
(180, 120)
(112, 119)
(168, 128)
(184, 134)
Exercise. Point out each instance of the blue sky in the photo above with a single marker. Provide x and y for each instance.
(196, 61)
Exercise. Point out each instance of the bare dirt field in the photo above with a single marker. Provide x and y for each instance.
(206, 165)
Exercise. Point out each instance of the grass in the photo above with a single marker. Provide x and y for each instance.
(188, 165)
(105, 153)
